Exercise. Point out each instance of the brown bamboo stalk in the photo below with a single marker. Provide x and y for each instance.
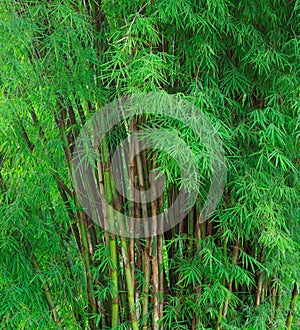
(258, 293)
(126, 263)
(160, 243)
(140, 170)
(146, 271)
(83, 236)
(102, 192)
(190, 232)
(87, 263)
(154, 259)
(139, 257)
(109, 187)
(273, 299)
(235, 253)
(132, 175)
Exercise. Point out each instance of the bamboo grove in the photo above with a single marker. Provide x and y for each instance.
(63, 61)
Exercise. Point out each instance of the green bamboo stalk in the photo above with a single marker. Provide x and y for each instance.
(127, 268)
(113, 250)
(106, 182)
(129, 282)
(108, 187)
(293, 303)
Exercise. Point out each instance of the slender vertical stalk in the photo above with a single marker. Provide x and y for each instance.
(160, 258)
(87, 263)
(273, 299)
(293, 303)
(127, 270)
(278, 304)
(190, 232)
(129, 283)
(258, 294)
(146, 270)
(155, 283)
(154, 257)
(113, 250)
(111, 237)
(146, 259)
(139, 262)
(235, 253)
(132, 175)
(81, 221)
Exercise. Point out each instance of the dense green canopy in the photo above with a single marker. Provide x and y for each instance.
(238, 62)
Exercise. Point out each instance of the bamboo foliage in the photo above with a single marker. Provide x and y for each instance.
(61, 62)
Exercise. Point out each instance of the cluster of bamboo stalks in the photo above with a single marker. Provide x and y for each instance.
(130, 257)
(140, 273)
(196, 274)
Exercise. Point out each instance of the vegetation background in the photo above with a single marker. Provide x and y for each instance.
(237, 61)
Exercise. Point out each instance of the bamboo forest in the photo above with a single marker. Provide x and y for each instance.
(149, 164)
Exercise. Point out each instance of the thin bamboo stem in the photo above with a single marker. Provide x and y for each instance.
(146, 270)
(292, 308)
(46, 289)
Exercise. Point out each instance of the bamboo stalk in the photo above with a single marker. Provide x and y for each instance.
(87, 263)
(155, 283)
(273, 299)
(139, 262)
(292, 308)
(160, 243)
(111, 237)
(154, 259)
(132, 175)
(129, 282)
(126, 263)
(80, 232)
(146, 270)
(229, 283)
(140, 171)
(111, 196)
(258, 294)
(113, 251)
(190, 232)
(102, 192)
